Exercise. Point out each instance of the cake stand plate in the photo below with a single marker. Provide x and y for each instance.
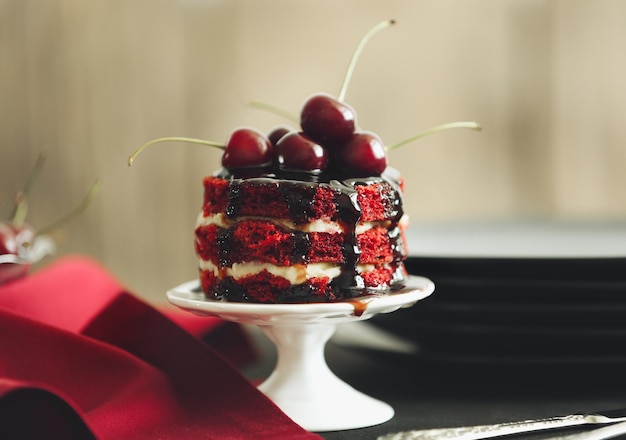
(302, 385)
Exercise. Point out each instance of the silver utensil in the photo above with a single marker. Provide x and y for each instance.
(595, 434)
(508, 428)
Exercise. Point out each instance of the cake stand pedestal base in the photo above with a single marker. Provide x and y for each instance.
(307, 390)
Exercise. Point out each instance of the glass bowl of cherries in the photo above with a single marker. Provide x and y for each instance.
(21, 245)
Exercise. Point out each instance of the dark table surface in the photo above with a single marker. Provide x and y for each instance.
(426, 394)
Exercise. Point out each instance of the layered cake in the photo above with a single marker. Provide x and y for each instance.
(275, 240)
(312, 214)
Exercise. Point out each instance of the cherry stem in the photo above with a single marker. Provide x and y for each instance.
(275, 110)
(357, 52)
(132, 157)
(471, 125)
(74, 213)
(21, 198)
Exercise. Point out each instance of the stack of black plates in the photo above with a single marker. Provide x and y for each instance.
(518, 310)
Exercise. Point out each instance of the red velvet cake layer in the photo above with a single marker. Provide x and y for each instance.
(270, 240)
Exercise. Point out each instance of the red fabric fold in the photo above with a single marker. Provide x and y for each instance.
(28, 412)
(82, 358)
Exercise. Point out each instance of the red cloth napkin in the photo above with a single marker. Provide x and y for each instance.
(82, 358)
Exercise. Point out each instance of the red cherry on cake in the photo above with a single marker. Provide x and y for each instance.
(277, 133)
(364, 155)
(247, 148)
(296, 152)
(327, 120)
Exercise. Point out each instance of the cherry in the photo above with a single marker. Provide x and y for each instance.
(247, 148)
(327, 120)
(364, 155)
(296, 152)
(278, 132)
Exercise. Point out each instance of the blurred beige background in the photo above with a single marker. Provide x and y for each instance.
(87, 82)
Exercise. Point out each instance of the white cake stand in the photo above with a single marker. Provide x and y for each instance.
(301, 384)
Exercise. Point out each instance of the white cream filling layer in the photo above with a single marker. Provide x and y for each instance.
(319, 225)
(296, 274)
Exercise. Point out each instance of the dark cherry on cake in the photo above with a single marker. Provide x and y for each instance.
(297, 152)
(327, 120)
(313, 214)
(247, 148)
